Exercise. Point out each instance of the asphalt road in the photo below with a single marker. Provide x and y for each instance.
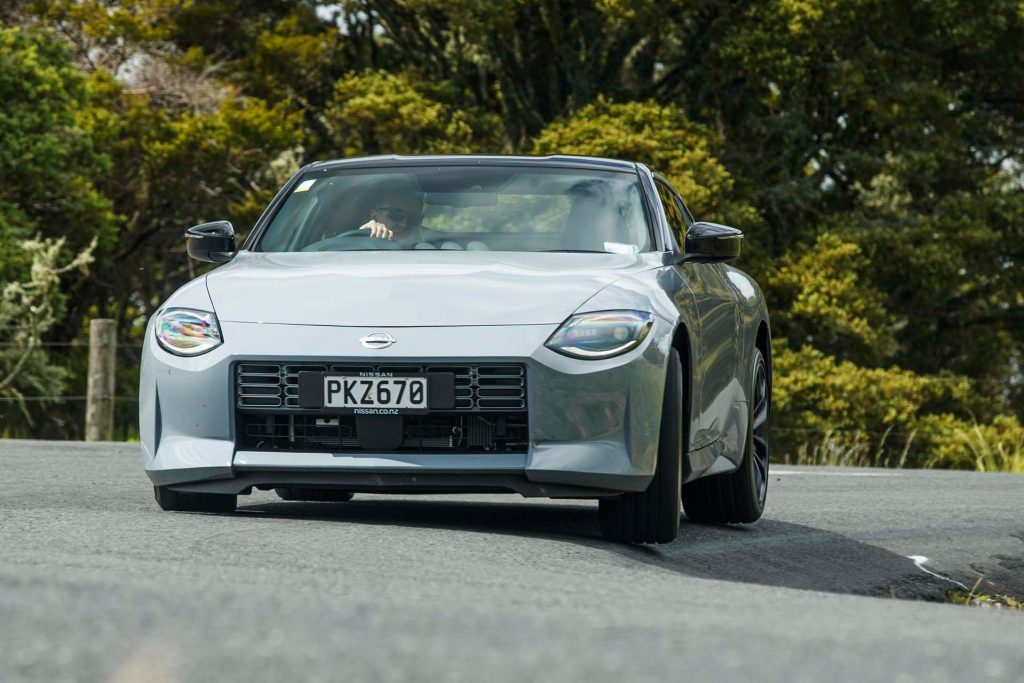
(97, 584)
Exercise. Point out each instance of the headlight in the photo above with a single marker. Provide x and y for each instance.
(602, 334)
(185, 332)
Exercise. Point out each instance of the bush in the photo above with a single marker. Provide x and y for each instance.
(836, 412)
(956, 444)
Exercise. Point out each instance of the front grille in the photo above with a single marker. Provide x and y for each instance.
(482, 387)
(448, 432)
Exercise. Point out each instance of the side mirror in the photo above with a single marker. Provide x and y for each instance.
(711, 243)
(214, 242)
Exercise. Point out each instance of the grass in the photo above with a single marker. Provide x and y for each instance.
(976, 599)
(992, 453)
(853, 449)
(996, 447)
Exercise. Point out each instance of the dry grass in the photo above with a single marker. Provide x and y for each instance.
(853, 449)
(975, 599)
(993, 452)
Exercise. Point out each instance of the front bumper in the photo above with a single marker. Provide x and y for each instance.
(593, 425)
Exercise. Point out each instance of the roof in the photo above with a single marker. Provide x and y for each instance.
(560, 160)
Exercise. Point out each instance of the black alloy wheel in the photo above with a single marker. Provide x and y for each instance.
(761, 432)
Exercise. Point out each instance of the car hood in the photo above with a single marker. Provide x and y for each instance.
(412, 288)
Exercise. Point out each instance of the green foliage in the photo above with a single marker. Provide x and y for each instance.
(176, 167)
(974, 599)
(48, 165)
(27, 310)
(531, 62)
(86, 156)
(949, 275)
(835, 412)
(660, 136)
(877, 175)
(877, 411)
(960, 444)
(378, 112)
(820, 299)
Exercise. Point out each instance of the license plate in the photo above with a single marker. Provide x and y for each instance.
(374, 394)
(385, 394)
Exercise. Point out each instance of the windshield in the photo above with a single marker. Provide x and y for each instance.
(474, 208)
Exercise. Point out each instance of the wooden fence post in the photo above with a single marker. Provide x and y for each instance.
(99, 408)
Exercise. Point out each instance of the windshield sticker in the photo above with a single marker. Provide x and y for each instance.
(305, 185)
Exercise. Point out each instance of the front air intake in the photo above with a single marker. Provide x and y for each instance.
(478, 387)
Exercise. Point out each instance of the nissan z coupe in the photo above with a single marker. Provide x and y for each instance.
(557, 327)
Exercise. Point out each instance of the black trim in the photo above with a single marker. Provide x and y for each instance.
(397, 160)
(441, 431)
(382, 481)
(485, 387)
(656, 219)
(687, 216)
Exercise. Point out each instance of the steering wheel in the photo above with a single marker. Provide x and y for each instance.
(373, 242)
(358, 232)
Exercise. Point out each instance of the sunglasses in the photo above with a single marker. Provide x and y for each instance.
(397, 214)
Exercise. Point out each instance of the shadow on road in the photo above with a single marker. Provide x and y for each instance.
(769, 552)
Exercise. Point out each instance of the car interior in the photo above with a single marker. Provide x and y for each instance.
(503, 212)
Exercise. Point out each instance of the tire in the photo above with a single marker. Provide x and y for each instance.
(319, 495)
(739, 497)
(653, 515)
(194, 502)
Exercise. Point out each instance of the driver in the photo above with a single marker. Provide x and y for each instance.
(398, 217)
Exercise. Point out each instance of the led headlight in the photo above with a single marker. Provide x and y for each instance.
(601, 334)
(185, 332)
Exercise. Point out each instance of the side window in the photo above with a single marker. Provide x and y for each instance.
(686, 212)
(673, 212)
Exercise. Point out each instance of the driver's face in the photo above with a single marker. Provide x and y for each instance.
(397, 212)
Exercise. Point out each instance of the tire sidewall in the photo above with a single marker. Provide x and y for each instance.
(670, 451)
(749, 465)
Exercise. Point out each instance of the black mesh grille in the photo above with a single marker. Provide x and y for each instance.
(477, 387)
(448, 432)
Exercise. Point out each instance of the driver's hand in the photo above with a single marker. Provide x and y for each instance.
(377, 229)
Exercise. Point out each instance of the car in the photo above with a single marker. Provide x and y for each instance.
(555, 327)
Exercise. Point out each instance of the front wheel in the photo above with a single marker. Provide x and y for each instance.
(653, 515)
(739, 497)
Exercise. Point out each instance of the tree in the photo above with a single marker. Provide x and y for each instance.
(819, 298)
(872, 153)
(381, 113)
(531, 62)
(176, 167)
(28, 309)
(48, 164)
(660, 136)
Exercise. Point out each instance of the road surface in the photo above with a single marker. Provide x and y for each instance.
(97, 584)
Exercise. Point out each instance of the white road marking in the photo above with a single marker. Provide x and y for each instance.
(919, 562)
(835, 474)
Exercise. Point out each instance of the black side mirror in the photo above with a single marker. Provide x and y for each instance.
(214, 242)
(711, 243)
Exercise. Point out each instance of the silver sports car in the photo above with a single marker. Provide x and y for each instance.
(557, 327)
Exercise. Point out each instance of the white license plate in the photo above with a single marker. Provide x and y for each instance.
(375, 392)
